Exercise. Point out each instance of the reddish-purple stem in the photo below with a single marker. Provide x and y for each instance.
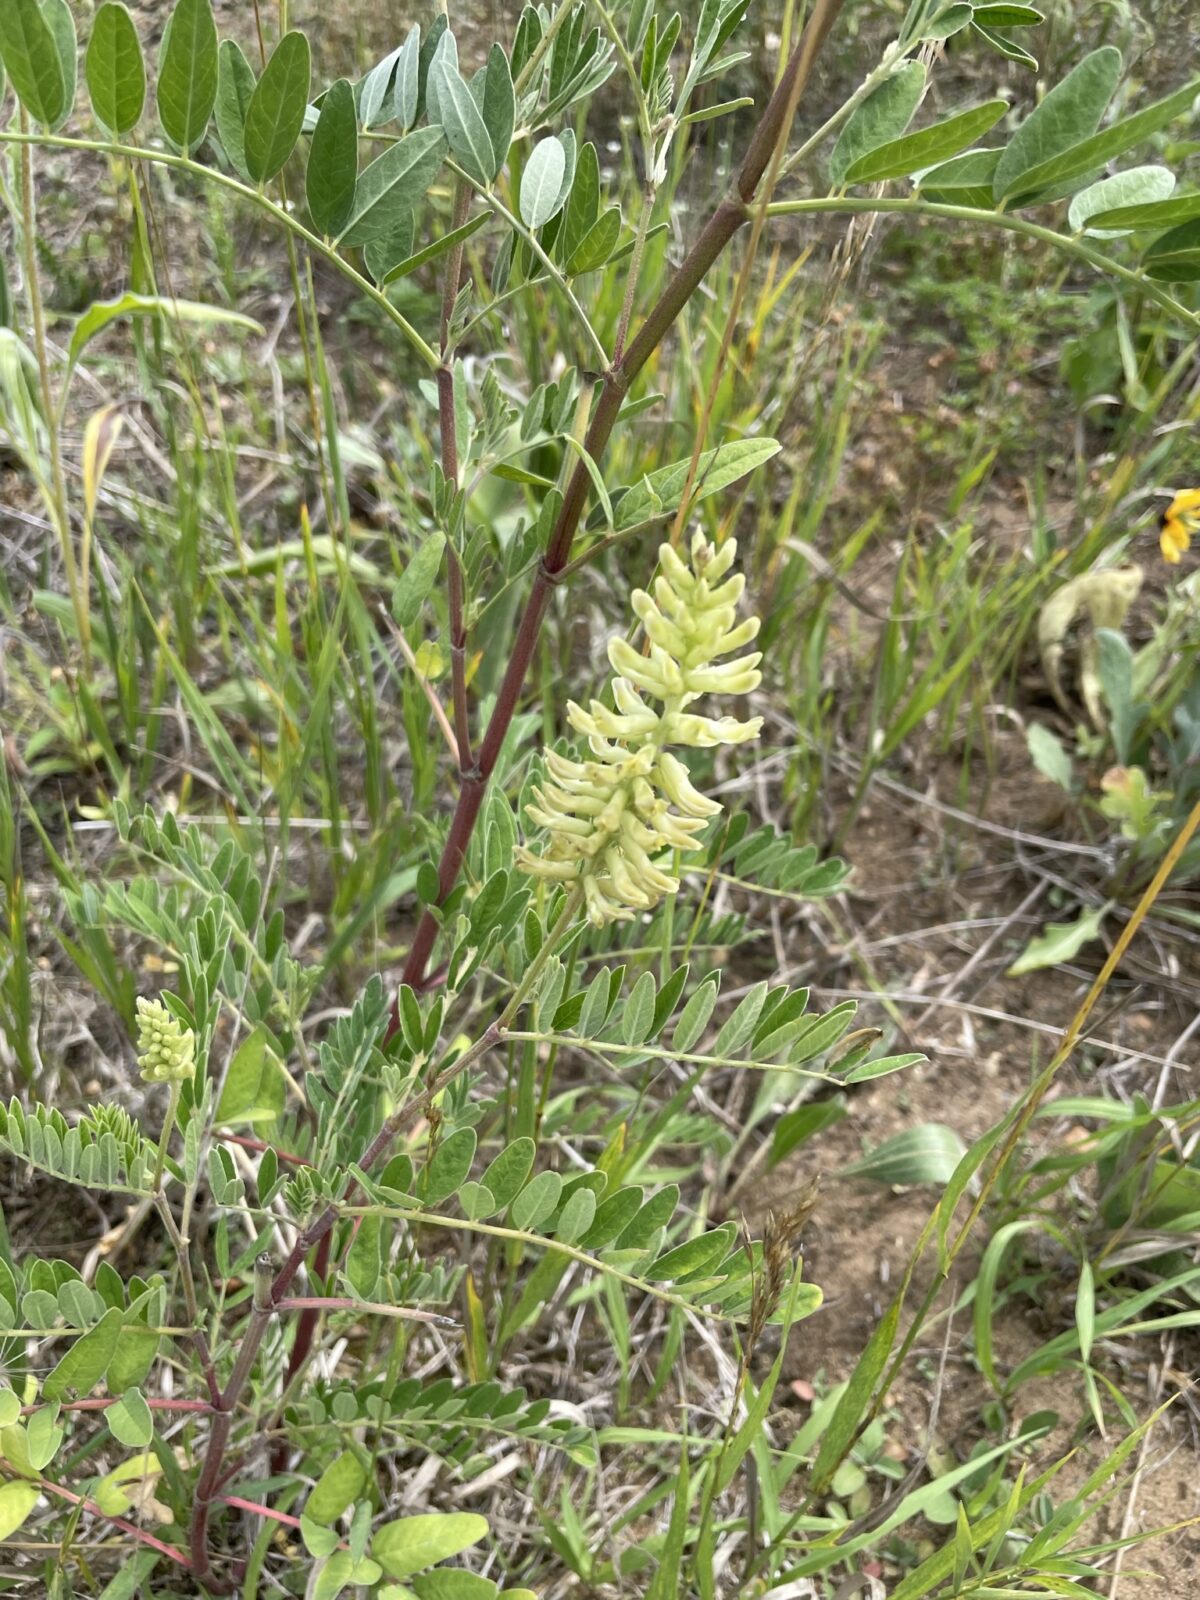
(130, 1528)
(729, 216)
(449, 446)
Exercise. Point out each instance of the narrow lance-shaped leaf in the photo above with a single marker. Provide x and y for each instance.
(374, 100)
(102, 312)
(964, 180)
(915, 151)
(1069, 113)
(439, 247)
(61, 22)
(1008, 16)
(583, 206)
(462, 121)
(332, 173)
(407, 91)
(115, 71)
(235, 90)
(276, 111)
(1006, 47)
(1156, 214)
(660, 491)
(381, 255)
(31, 58)
(393, 184)
(499, 107)
(100, 435)
(445, 52)
(1089, 154)
(926, 1154)
(425, 56)
(187, 74)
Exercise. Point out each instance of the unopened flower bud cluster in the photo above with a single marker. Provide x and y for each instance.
(610, 817)
(166, 1049)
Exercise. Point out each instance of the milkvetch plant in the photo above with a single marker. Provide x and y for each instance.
(414, 1185)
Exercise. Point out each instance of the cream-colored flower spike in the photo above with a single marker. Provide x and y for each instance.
(166, 1049)
(609, 817)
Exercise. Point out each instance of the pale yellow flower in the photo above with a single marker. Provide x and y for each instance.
(610, 817)
(166, 1049)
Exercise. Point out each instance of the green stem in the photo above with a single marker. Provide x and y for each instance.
(165, 1139)
(33, 288)
(497, 206)
(166, 158)
(833, 205)
(874, 78)
(565, 9)
(633, 73)
(494, 1230)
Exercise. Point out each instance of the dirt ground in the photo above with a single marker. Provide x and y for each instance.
(940, 906)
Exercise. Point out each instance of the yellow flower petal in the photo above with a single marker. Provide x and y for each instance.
(1173, 540)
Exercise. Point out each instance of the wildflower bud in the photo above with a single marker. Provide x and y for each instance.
(166, 1049)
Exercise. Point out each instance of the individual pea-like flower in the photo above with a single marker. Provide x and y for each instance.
(166, 1049)
(1179, 521)
(610, 817)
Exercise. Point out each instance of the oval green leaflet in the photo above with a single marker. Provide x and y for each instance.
(86, 1362)
(115, 71)
(411, 1544)
(1136, 187)
(499, 107)
(536, 1201)
(275, 114)
(393, 184)
(235, 89)
(637, 1017)
(462, 121)
(407, 90)
(914, 151)
(187, 74)
(508, 1172)
(1062, 166)
(130, 1421)
(332, 173)
(17, 1500)
(336, 1489)
(694, 1017)
(450, 1165)
(882, 117)
(1069, 113)
(541, 182)
(32, 59)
